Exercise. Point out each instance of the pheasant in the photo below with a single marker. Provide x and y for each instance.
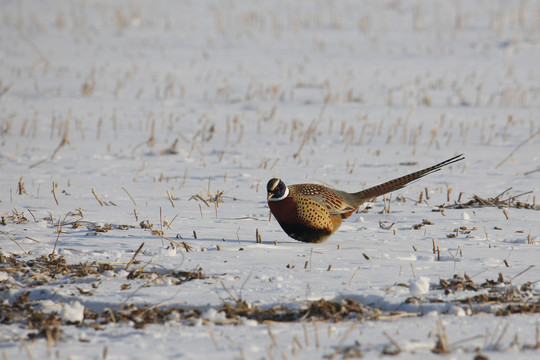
(311, 212)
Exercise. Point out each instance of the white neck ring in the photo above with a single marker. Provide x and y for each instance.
(285, 194)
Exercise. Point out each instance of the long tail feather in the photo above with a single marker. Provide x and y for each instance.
(395, 184)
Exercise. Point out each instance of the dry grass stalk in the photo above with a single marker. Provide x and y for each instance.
(170, 150)
(26, 348)
(88, 85)
(306, 334)
(349, 331)
(271, 334)
(186, 246)
(15, 241)
(537, 346)
(271, 354)
(58, 231)
(170, 198)
(161, 221)
(258, 238)
(211, 333)
(517, 148)
(310, 131)
(169, 223)
(495, 346)
(353, 276)
(64, 142)
(443, 345)
(469, 301)
(131, 197)
(384, 226)
(54, 193)
(97, 197)
(394, 342)
(387, 204)
(20, 187)
(15, 217)
(522, 272)
(296, 344)
(216, 199)
(238, 234)
(316, 333)
(134, 256)
(4, 88)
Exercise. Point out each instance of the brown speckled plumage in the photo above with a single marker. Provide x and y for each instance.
(311, 212)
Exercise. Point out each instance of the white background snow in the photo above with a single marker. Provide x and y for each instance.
(347, 93)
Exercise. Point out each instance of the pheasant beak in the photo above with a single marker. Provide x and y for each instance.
(269, 196)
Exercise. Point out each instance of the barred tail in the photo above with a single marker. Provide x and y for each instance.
(395, 184)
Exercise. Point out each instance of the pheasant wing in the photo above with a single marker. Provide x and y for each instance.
(332, 201)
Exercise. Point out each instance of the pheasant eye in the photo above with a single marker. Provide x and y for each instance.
(279, 190)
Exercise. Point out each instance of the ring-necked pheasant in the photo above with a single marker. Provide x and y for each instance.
(311, 212)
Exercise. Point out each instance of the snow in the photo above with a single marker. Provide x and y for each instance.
(72, 312)
(419, 286)
(119, 113)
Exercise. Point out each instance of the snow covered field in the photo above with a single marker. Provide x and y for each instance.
(137, 137)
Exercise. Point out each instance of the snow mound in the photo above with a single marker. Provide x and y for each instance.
(72, 312)
(419, 286)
